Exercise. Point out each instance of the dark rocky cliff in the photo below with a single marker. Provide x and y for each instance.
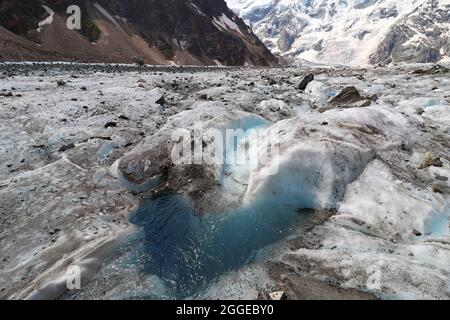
(183, 31)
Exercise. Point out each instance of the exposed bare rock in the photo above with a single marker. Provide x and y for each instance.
(196, 32)
(430, 160)
(306, 80)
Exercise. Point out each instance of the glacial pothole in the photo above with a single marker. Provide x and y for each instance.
(184, 251)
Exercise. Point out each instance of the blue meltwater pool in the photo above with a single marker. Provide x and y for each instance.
(187, 251)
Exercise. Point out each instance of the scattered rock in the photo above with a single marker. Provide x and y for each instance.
(405, 147)
(441, 178)
(123, 117)
(430, 160)
(437, 189)
(111, 124)
(67, 147)
(203, 97)
(417, 233)
(83, 88)
(277, 296)
(54, 231)
(161, 100)
(306, 80)
(138, 60)
(437, 69)
(347, 95)
(357, 221)
(420, 111)
(61, 83)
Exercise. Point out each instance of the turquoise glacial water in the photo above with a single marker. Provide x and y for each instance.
(187, 251)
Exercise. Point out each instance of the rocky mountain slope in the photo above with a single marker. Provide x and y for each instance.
(194, 32)
(351, 31)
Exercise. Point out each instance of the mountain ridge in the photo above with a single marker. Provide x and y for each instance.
(353, 32)
(189, 32)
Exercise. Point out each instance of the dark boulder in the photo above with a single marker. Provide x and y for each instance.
(306, 80)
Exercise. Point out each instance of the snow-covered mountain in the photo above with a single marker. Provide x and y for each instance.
(351, 31)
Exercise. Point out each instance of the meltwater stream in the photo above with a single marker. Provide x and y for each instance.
(187, 251)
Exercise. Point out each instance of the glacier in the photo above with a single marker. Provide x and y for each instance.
(358, 209)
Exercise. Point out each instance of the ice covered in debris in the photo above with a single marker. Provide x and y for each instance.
(78, 158)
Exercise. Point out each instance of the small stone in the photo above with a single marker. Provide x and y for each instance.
(405, 147)
(138, 60)
(306, 80)
(347, 95)
(161, 100)
(54, 231)
(441, 178)
(61, 83)
(417, 233)
(420, 111)
(111, 124)
(431, 160)
(275, 108)
(67, 147)
(437, 190)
